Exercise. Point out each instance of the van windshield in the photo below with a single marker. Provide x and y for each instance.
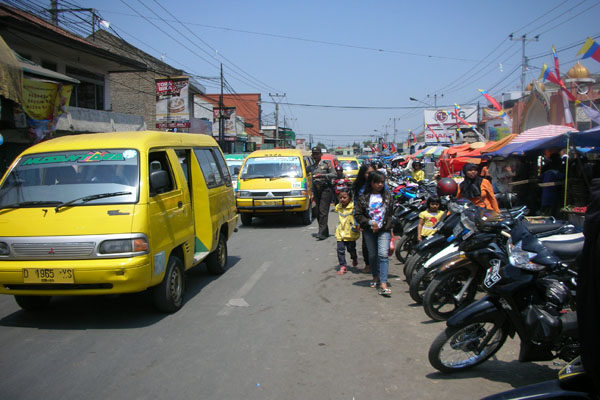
(272, 167)
(349, 165)
(59, 177)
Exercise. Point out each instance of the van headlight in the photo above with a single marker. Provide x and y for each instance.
(117, 246)
(243, 193)
(297, 193)
(4, 249)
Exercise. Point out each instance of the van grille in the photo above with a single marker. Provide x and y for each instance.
(275, 194)
(54, 250)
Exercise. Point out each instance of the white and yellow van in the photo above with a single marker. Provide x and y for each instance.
(350, 166)
(274, 182)
(114, 213)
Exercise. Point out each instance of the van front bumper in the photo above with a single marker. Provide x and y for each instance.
(272, 205)
(91, 277)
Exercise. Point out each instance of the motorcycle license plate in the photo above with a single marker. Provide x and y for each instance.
(48, 275)
(492, 275)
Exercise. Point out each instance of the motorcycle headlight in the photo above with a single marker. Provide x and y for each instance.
(243, 193)
(522, 259)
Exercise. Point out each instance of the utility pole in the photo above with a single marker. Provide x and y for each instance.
(221, 106)
(523, 39)
(54, 12)
(277, 95)
(435, 96)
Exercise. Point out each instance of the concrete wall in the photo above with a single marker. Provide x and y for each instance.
(88, 120)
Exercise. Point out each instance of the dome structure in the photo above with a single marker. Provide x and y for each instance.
(578, 71)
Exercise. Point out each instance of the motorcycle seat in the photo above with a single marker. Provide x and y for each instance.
(536, 228)
(566, 249)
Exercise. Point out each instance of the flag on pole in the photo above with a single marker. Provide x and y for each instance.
(384, 145)
(544, 74)
(392, 147)
(413, 136)
(497, 106)
(590, 112)
(556, 66)
(432, 131)
(590, 49)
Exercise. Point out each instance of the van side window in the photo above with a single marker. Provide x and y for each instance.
(184, 160)
(209, 167)
(158, 161)
(222, 166)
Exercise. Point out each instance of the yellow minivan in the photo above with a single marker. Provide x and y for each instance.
(114, 213)
(350, 166)
(275, 182)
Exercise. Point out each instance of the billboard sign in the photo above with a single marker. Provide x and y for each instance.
(444, 123)
(172, 102)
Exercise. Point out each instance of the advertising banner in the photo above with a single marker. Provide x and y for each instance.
(172, 102)
(443, 124)
(229, 122)
(44, 103)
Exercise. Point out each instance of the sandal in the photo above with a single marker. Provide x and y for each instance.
(385, 292)
(342, 270)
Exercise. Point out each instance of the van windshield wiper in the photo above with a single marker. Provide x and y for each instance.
(85, 199)
(256, 177)
(31, 203)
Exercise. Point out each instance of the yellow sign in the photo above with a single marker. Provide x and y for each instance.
(39, 98)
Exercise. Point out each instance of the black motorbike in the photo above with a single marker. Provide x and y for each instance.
(526, 295)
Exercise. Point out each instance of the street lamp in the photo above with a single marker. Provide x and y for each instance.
(420, 101)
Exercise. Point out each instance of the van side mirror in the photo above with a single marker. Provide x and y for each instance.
(159, 181)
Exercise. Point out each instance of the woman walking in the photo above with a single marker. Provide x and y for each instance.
(374, 215)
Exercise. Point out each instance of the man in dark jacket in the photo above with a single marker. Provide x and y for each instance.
(588, 287)
(323, 174)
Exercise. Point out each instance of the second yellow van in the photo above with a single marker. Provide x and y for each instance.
(275, 182)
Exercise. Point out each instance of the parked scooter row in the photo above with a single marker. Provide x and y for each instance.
(525, 265)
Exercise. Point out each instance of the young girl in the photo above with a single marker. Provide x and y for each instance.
(346, 232)
(374, 214)
(358, 188)
(417, 174)
(429, 217)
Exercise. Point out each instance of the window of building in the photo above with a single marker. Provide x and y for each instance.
(90, 92)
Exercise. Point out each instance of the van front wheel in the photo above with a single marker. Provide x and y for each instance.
(168, 295)
(216, 262)
(307, 216)
(246, 219)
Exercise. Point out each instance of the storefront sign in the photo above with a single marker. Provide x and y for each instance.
(44, 103)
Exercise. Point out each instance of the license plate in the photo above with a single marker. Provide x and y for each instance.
(492, 276)
(48, 275)
(268, 202)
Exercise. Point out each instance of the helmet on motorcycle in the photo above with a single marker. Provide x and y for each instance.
(447, 187)
(338, 168)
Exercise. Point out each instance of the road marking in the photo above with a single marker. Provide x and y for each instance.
(245, 289)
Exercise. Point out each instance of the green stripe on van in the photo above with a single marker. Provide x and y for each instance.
(199, 246)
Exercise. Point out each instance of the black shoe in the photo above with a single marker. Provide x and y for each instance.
(315, 235)
(322, 237)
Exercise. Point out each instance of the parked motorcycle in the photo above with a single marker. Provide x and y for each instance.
(525, 296)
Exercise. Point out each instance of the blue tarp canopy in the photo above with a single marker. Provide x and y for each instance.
(589, 138)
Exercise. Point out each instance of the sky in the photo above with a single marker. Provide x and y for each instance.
(361, 59)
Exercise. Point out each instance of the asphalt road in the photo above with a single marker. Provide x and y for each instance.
(279, 324)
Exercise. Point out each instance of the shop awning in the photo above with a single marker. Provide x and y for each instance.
(535, 138)
(31, 68)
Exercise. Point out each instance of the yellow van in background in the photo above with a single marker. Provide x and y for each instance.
(350, 166)
(114, 213)
(275, 182)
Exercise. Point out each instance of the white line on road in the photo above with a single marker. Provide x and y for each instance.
(246, 288)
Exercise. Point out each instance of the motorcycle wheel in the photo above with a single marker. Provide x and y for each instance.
(420, 282)
(408, 266)
(404, 248)
(415, 263)
(463, 347)
(439, 300)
